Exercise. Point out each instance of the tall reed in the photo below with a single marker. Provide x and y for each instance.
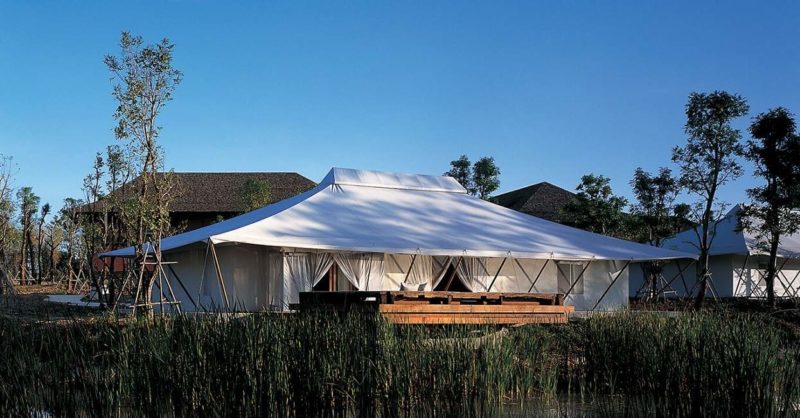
(321, 364)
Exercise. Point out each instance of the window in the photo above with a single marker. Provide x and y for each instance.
(568, 273)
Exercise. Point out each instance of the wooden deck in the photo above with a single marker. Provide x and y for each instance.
(402, 307)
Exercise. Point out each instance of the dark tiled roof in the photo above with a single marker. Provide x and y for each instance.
(542, 200)
(221, 192)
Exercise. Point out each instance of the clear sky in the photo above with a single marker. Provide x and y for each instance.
(551, 89)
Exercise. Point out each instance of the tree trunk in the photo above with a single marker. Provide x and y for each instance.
(772, 270)
(702, 277)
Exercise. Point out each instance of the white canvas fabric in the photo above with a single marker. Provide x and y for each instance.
(367, 211)
(423, 269)
(301, 272)
(475, 274)
(363, 270)
(730, 240)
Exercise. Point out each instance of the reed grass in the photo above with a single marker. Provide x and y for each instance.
(357, 365)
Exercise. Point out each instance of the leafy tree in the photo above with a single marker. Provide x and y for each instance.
(596, 208)
(45, 211)
(656, 206)
(255, 194)
(707, 162)
(657, 213)
(775, 151)
(461, 170)
(28, 206)
(485, 177)
(145, 81)
(480, 179)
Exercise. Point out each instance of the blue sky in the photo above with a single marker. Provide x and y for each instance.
(552, 90)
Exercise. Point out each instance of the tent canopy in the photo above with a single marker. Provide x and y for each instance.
(730, 240)
(369, 211)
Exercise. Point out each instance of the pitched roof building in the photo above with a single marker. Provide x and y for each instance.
(203, 198)
(543, 200)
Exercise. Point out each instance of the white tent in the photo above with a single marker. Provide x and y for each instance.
(383, 229)
(737, 262)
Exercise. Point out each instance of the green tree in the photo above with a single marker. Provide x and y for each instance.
(707, 162)
(255, 194)
(40, 239)
(28, 206)
(145, 81)
(775, 151)
(485, 177)
(657, 213)
(461, 170)
(595, 207)
(480, 179)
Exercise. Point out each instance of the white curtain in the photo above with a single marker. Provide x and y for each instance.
(276, 281)
(474, 273)
(301, 272)
(363, 270)
(417, 269)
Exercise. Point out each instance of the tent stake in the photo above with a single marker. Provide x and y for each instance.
(537, 275)
(611, 285)
(497, 274)
(219, 275)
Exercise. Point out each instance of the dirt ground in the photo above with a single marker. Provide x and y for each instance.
(29, 304)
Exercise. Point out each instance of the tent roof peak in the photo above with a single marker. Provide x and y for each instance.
(382, 179)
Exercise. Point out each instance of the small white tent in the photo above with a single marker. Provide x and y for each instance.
(381, 230)
(737, 262)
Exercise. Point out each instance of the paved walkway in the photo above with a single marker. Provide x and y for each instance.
(74, 300)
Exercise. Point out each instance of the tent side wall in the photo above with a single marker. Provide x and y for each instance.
(250, 276)
(255, 277)
(597, 279)
(748, 279)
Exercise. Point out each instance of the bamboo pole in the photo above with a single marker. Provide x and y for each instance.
(541, 270)
(219, 274)
(489, 289)
(611, 285)
(580, 276)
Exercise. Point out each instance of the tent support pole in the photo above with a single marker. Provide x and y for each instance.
(791, 284)
(741, 274)
(539, 274)
(611, 285)
(191, 299)
(678, 274)
(580, 276)
(219, 274)
(497, 274)
(410, 266)
(778, 276)
(683, 279)
(453, 275)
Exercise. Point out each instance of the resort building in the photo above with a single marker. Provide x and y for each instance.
(543, 200)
